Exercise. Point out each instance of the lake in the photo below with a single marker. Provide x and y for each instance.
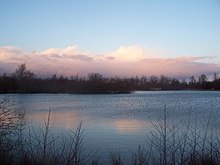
(118, 122)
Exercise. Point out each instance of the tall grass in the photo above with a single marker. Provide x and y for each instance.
(47, 148)
(191, 143)
(11, 126)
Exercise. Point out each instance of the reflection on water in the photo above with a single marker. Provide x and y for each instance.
(126, 126)
(65, 119)
(117, 121)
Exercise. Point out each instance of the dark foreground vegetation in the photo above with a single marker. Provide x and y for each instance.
(169, 144)
(25, 81)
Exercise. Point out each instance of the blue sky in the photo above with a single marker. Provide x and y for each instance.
(176, 27)
(180, 27)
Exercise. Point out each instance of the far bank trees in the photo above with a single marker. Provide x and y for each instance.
(22, 80)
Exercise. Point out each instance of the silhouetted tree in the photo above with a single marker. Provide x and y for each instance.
(95, 77)
(164, 81)
(215, 76)
(22, 73)
(192, 80)
(202, 79)
(153, 81)
(24, 78)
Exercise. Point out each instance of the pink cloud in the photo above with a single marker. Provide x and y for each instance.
(125, 61)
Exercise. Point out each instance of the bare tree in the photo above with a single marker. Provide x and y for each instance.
(202, 78)
(22, 72)
(192, 80)
(215, 76)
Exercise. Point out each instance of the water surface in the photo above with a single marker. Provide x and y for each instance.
(118, 121)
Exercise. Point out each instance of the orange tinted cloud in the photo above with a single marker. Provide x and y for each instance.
(125, 61)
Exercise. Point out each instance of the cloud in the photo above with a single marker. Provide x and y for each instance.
(133, 53)
(82, 57)
(110, 58)
(125, 61)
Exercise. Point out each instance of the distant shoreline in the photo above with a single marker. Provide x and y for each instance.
(110, 92)
(25, 81)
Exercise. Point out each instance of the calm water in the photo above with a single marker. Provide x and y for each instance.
(117, 122)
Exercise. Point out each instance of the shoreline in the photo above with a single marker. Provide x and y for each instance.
(109, 92)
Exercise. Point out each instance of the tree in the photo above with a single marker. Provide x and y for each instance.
(24, 78)
(95, 77)
(215, 76)
(164, 80)
(202, 79)
(22, 73)
(192, 80)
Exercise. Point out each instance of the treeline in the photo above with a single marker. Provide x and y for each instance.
(25, 81)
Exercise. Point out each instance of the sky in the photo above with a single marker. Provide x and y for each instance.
(112, 37)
